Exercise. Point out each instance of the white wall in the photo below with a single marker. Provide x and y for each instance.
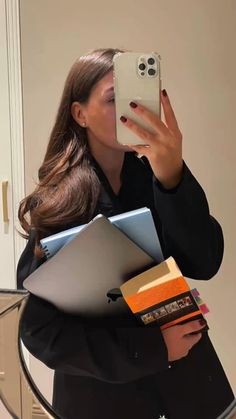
(196, 40)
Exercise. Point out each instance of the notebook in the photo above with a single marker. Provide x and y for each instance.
(138, 225)
(84, 276)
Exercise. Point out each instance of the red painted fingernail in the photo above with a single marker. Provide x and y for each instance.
(164, 92)
(133, 105)
(123, 118)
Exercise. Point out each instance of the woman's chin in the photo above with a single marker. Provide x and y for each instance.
(122, 147)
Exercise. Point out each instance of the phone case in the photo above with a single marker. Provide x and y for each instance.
(137, 78)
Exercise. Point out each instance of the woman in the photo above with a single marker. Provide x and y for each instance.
(117, 368)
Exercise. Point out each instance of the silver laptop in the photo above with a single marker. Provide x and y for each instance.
(85, 275)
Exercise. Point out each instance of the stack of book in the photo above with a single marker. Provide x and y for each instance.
(162, 295)
(115, 265)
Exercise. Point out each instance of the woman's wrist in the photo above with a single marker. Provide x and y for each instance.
(173, 181)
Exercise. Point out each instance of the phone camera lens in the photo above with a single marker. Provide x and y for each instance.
(151, 71)
(141, 66)
(151, 61)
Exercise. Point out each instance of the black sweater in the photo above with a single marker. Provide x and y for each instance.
(115, 369)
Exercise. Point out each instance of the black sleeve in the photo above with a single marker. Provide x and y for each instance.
(119, 352)
(189, 233)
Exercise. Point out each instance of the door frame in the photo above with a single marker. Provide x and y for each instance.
(11, 11)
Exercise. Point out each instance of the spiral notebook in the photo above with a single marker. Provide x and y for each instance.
(137, 225)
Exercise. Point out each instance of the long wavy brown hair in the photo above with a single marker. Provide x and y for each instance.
(68, 187)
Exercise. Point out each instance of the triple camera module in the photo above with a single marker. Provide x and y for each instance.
(147, 66)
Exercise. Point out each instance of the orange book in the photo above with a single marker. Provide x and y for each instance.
(161, 294)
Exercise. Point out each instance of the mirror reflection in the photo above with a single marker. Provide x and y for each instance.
(122, 368)
(110, 356)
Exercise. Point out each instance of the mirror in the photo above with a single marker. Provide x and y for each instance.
(195, 40)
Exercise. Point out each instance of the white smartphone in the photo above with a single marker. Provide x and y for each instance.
(137, 78)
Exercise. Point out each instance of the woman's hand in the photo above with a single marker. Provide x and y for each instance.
(163, 148)
(179, 341)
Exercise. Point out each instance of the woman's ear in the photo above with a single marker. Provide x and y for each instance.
(78, 113)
